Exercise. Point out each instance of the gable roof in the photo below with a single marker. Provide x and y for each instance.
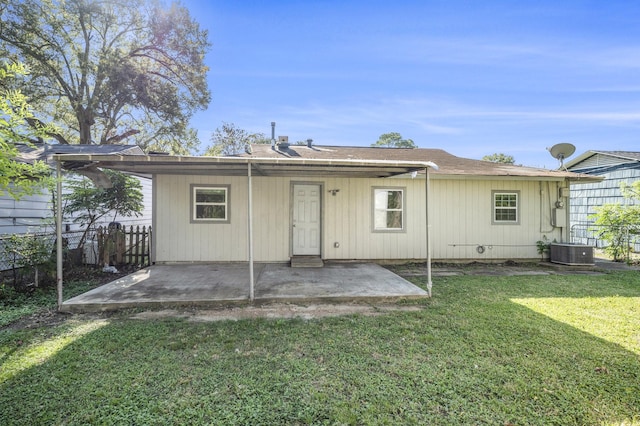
(448, 165)
(301, 160)
(595, 162)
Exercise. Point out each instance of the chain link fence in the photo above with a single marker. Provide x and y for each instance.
(593, 235)
(14, 252)
(23, 257)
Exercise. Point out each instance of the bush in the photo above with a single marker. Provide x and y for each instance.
(31, 259)
(619, 224)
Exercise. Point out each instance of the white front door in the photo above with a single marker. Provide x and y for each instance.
(306, 220)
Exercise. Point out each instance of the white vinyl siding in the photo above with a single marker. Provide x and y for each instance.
(461, 219)
(460, 215)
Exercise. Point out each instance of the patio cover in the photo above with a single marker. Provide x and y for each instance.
(240, 166)
(237, 166)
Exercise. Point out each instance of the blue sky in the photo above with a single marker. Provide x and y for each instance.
(473, 78)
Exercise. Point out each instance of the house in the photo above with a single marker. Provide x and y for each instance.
(615, 167)
(282, 201)
(34, 213)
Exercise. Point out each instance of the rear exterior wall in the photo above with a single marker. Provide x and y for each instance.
(460, 217)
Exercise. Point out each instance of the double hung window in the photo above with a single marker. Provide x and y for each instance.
(388, 209)
(505, 207)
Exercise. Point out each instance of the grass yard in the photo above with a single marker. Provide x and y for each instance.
(523, 350)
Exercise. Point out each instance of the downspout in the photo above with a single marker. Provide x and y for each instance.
(250, 230)
(428, 232)
(59, 232)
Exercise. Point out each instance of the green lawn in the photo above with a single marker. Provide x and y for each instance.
(524, 350)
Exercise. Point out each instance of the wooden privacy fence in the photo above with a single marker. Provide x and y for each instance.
(117, 246)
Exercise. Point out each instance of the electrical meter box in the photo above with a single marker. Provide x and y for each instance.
(559, 218)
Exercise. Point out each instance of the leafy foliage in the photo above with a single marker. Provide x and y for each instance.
(16, 304)
(231, 140)
(30, 253)
(619, 224)
(499, 158)
(111, 71)
(18, 178)
(394, 140)
(542, 246)
(90, 204)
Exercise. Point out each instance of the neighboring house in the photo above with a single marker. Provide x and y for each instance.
(616, 167)
(347, 203)
(34, 213)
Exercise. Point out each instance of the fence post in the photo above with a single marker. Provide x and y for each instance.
(120, 246)
(144, 246)
(134, 245)
(130, 246)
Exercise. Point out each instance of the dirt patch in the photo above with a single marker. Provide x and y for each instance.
(276, 310)
(45, 318)
(53, 318)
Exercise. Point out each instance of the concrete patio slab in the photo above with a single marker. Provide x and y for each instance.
(219, 284)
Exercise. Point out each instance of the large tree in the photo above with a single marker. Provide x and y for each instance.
(110, 71)
(499, 158)
(231, 140)
(18, 178)
(394, 140)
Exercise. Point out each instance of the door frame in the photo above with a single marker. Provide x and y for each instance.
(320, 185)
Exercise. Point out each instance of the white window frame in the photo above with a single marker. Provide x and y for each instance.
(375, 210)
(227, 203)
(495, 208)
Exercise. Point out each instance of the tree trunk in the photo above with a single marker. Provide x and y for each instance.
(85, 121)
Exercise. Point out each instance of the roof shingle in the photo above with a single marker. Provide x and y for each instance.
(448, 164)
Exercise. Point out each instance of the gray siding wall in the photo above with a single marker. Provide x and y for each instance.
(28, 215)
(586, 197)
(34, 213)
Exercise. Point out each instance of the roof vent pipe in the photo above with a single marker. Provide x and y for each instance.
(273, 134)
(309, 142)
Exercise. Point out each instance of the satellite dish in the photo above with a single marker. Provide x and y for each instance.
(561, 151)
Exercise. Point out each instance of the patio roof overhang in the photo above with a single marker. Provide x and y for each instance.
(237, 166)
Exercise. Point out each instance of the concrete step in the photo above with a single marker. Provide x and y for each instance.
(306, 262)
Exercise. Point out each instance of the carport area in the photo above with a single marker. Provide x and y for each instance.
(220, 284)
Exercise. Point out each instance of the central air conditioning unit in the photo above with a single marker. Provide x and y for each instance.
(571, 254)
